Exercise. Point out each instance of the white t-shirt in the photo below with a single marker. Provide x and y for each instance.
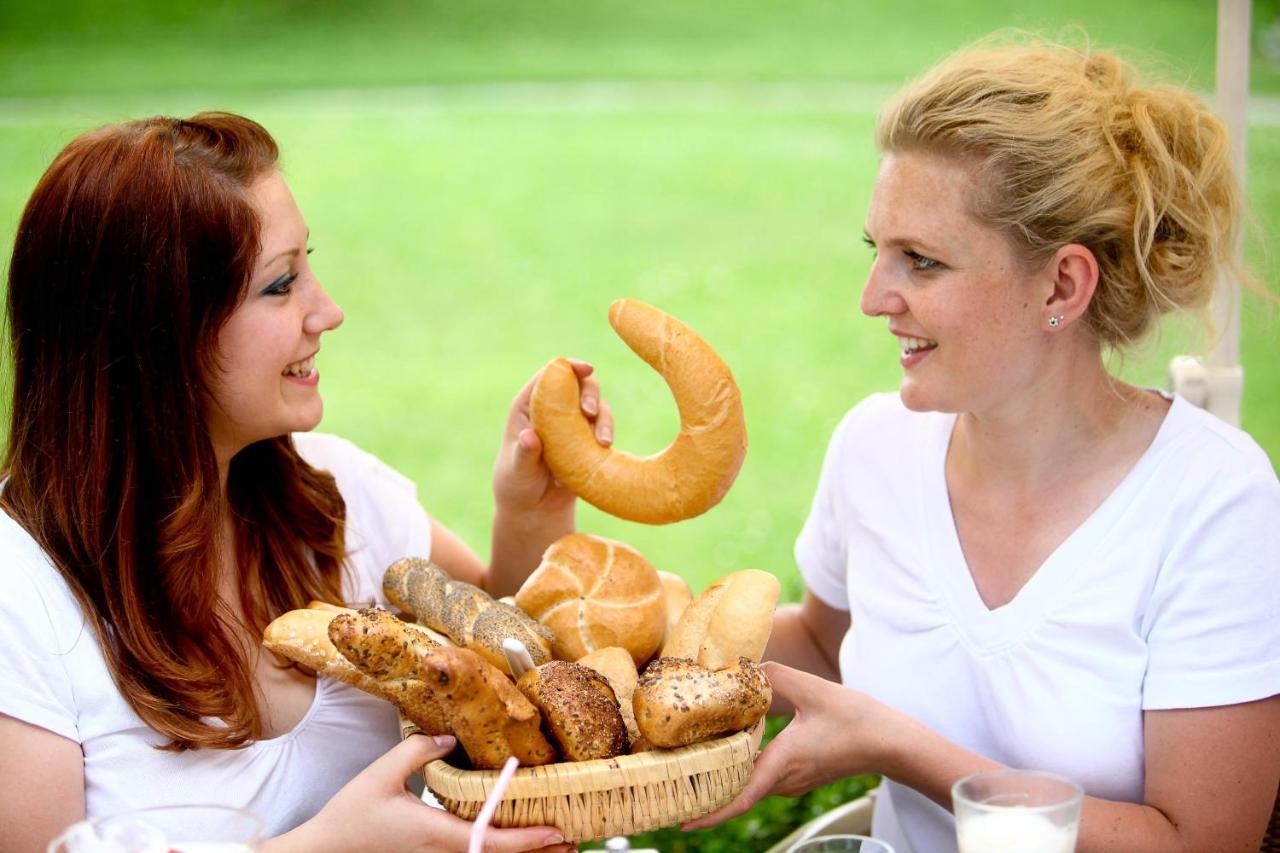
(52, 673)
(1167, 596)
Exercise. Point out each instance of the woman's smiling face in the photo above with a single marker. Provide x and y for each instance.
(267, 383)
(965, 309)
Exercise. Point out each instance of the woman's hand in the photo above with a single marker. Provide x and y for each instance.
(521, 480)
(532, 510)
(837, 732)
(375, 812)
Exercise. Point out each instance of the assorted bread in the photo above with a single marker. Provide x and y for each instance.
(687, 478)
(590, 700)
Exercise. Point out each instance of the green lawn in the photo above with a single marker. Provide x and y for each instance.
(475, 224)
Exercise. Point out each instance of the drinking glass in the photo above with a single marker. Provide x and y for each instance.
(165, 829)
(841, 844)
(1027, 811)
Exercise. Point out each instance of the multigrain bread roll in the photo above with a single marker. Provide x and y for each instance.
(616, 665)
(731, 619)
(417, 586)
(677, 702)
(468, 615)
(443, 690)
(687, 478)
(579, 708)
(593, 593)
(390, 652)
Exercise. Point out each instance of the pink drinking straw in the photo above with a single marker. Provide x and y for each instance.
(481, 826)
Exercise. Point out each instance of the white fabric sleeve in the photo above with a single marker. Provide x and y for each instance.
(35, 683)
(822, 548)
(385, 521)
(1213, 625)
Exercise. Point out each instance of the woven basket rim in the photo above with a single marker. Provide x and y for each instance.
(601, 774)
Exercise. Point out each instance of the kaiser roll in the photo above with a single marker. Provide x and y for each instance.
(594, 593)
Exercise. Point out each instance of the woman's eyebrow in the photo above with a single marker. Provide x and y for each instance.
(293, 251)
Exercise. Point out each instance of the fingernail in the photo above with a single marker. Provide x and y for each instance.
(553, 839)
(590, 406)
(606, 435)
(444, 741)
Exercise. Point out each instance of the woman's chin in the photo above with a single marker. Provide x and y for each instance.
(918, 398)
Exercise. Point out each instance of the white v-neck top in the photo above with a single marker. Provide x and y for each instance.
(1167, 596)
(53, 675)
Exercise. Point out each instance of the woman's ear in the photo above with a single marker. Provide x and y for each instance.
(1073, 271)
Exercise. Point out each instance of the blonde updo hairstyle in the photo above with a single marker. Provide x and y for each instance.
(1072, 148)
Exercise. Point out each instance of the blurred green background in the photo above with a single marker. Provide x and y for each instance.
(483, 177)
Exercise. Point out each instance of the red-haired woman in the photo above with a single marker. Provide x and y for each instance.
(162, 502)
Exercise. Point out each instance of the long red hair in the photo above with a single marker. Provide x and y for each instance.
(133, 251)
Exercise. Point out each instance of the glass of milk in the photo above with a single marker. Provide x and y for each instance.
(1003, 811)
(840, 844)
(165, 829)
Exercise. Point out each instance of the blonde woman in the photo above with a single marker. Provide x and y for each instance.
(1043, 567)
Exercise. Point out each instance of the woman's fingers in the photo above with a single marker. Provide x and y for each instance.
(763, 777)
(604, 424)
(798, 687)
(392, 768)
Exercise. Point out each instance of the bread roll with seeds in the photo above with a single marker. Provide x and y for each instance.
(443, 690)
(594, 593)
(417, 586)
(502, 620)
(390, 652)
(468, 615)
(678, 703)
(579, 708)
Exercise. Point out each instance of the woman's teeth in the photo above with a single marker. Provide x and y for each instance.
(910, 345)
(301, 369)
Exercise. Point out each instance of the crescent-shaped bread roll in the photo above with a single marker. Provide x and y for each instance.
(732, 618)
(687, 478)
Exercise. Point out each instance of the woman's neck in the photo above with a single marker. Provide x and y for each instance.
(1070, 415)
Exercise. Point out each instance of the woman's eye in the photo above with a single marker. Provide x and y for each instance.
(920, 262)
(280, 286)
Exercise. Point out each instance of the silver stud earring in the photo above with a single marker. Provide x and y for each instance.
(1055, 322)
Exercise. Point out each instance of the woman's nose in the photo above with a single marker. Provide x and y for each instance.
(879, 295)
(324, 315)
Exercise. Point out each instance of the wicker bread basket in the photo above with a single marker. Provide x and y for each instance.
(592, 800)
